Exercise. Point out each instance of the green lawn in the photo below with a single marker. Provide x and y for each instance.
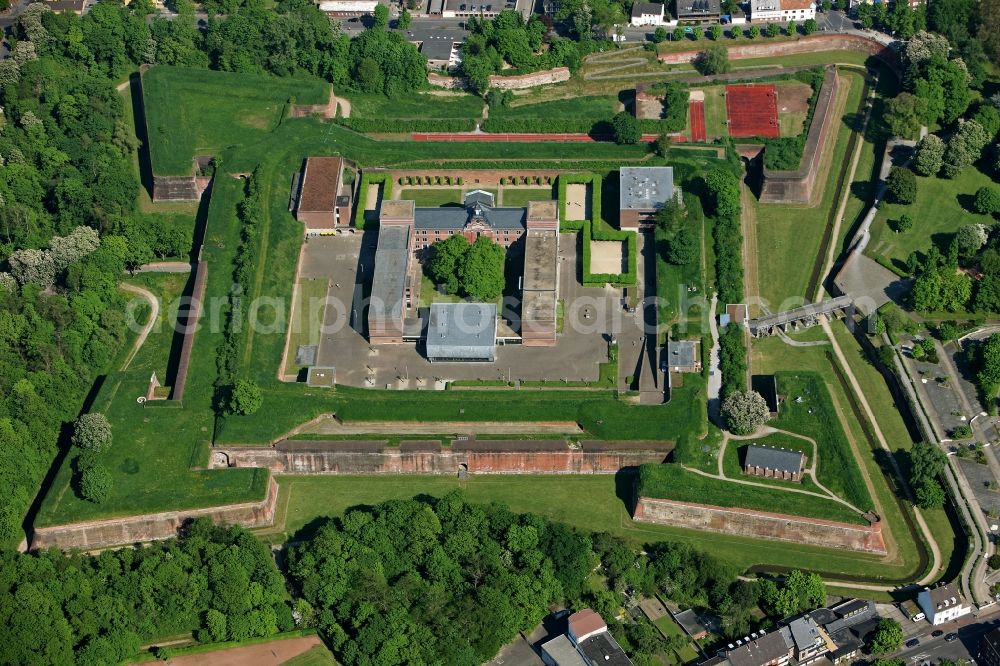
(416, 106)
(303, 500)
(789, 236)
(668, 627)
(518, 197)
(671, 481)
(592, 108)
(198, 112)
(155, 352)
(316, 656)
(432, 198)
(715, 112)
(808, 410)
(736, 449)
(942, 206)
(677, 305)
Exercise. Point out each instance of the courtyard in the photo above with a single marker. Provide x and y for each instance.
(589, 317)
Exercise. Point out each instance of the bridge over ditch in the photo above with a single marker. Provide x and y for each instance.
(804, 316)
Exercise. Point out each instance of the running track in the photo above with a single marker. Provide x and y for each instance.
(526, 138)
(698, 131)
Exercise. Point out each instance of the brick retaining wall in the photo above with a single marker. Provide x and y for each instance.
(761, 525)
(429, 457)
(96, 534)
(517, 82)
(810, 44)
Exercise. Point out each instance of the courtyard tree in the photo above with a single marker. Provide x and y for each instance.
(904, 114)
(902, 185)
(482, 270)
(92, 431)
(713, 60)
(745, 412)
(971, 238)
(987, 200)
(446, 257)
(887, 638)
(246, 397)
(95, 483)
(683, 248)
(626, 127)
(380, 17)
(930, 155)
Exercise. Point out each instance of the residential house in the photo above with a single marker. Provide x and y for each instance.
(942, 604)
(782, 11)
(808, 639)
(648, 13)
(699, 10)
(773, 649)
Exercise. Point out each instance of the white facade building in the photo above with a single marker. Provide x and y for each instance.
(782, 10)
(942, 604)
(647, 13)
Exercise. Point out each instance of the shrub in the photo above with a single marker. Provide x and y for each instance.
(92, 431)
(987, 200)
(95, 483)
(745, 412)
(904, 223)
(902, 185)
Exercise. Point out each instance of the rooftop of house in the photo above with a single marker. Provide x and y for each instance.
(585, 621)
(392, 258)
(760, 651)
(805, 632)
(647, 9)
(796, 5)
(462, 330)
(321, 184)
(561, 651)
(769, 457)
(437, 49)
(681, 354)
(645, 188)
(699, 7)
(603, 649)
(945, 596)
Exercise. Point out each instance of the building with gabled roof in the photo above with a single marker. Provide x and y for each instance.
(943, 603)
(774, 463)
(323, 203)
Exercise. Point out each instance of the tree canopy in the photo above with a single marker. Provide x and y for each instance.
(474, 270)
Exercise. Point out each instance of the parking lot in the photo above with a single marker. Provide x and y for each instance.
(591, 316)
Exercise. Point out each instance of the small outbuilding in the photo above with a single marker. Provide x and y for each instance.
(462, 332)
(774, 463)
(682, 356)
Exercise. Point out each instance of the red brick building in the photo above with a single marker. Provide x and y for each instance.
(324, 203)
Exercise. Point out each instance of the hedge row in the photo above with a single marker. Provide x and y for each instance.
(430, 180)
(367, 179)
(592, 179)
(397, 126)
(542, 125)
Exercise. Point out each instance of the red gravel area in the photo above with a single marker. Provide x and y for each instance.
(698, 131)
(752, 110)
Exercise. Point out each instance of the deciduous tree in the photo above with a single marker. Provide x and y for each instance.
(745, 412)
(930, 155)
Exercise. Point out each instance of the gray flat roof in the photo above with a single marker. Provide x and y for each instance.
(681, 353)
(645, 188)
(456, 217)
(562, 652)
(392, 257)
(763, 650)
(768, 457)
(462, 331)
(540, 250)
(538, 306)
(437, 49)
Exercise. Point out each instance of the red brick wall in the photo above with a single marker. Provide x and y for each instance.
(808, 44)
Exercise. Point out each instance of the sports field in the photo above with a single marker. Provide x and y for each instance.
(697, 120)
(752, 110)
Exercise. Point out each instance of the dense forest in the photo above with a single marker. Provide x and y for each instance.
(429, 580)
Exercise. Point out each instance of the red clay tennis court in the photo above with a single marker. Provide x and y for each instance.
(752, 110)
(698, 131)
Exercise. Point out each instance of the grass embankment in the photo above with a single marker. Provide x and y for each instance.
(306, 317)
(304, 501)
(198, 112)
(790, 237)
(676, 483)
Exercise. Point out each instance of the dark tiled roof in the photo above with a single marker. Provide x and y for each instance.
(454, 217)
(698, 7)
(766, 457)
(640, 8)
(603, 649)
(760, 651)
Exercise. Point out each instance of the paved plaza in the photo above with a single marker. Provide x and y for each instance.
(591, 316)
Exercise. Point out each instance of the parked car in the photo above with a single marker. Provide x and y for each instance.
(913, 642)
(936, 633)
(951, 637)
